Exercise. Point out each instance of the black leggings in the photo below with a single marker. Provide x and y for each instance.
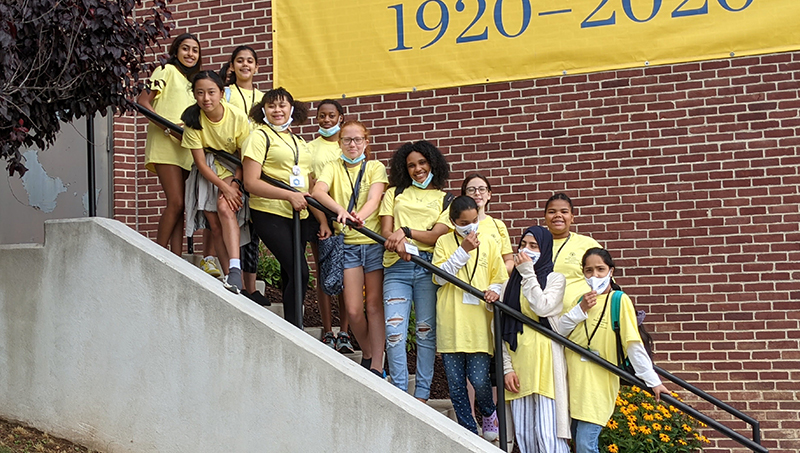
(276, 233)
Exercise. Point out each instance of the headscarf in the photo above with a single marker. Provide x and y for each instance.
(511, 297)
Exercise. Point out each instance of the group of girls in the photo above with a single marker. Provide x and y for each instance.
(561, 279)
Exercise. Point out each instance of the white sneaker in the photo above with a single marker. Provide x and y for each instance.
(210, 267)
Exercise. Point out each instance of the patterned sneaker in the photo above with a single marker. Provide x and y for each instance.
(490, 428)
(234, 281)
(210, 267)
(330, 340)
(343, 343)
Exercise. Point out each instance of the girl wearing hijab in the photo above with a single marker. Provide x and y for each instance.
(534, 366)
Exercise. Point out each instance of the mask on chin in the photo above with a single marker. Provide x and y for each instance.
(424, 184)
(329, 132)
(282, 127)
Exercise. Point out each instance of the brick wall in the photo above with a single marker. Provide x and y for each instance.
(688, 173)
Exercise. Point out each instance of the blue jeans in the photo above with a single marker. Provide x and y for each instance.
(586, 436)
(404, 282)
(458, 367)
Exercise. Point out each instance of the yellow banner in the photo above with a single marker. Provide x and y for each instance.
(327, 49)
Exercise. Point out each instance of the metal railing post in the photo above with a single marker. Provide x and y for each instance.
(298, 270)
(498, 369)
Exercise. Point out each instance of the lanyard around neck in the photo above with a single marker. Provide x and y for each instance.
(594, 331)
(477, 257)
(562, 246)
(296, 151)
(244, 101)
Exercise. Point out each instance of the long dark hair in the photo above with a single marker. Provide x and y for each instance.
(191, 116)
(232, 78)
(300, 114)
(188, 72)
(398, 169)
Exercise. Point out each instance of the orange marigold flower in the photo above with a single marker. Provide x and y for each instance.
(613, 448)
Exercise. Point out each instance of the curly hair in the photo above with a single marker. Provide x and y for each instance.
(398, 171)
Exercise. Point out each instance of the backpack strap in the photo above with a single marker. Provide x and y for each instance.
(448, 198)
(266, 148)
(616, 299)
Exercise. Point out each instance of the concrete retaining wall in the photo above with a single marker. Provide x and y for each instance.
(108, 340)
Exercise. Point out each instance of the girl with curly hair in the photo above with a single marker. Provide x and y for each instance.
(413, 216)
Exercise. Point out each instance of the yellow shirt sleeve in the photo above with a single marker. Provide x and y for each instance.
(192, 138)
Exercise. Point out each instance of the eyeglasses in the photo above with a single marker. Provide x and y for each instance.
(481, 190)
(347, 140)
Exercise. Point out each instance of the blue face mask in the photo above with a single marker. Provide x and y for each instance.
(354, 161)
(330, 132)
(424, 184)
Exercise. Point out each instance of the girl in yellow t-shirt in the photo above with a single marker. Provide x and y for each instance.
(242, 94)
(241, 91)
(568, 247)
(463, 321)
(592, 389)
(534, 367)
(211, 123)
(169, 95)
(363, 257)
(324, 149)
(274, 150)
(477, 186)
(413, 216)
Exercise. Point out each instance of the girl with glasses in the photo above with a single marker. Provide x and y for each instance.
(478, 188)
(363, 257)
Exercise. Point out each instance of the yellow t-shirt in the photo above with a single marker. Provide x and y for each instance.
(173, 96)
(533, 359)
(464, 327)
(244, 100)
(322, 152)
(568, 263)
(418, 209)
(228, 134)
(340, 189)
(593, 390)
(495, 229)
(280, 159)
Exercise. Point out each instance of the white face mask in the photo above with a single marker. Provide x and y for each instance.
(534, 256)
(465, 230)
(282, 127)
(599, 285)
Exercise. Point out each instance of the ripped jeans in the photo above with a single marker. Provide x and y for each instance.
(402, 283)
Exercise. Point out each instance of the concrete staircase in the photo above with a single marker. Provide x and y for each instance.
(444, 406)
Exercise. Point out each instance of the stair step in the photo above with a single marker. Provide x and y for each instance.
(261, 285)
(196, 260)
(317, 332)
(445, 407)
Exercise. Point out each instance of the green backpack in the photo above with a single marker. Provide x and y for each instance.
(622, 359)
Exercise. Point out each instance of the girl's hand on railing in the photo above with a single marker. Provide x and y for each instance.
(324, 231)
(490, 296)
(658, 390)
(395, 241)
(589, 301)
(297, 200)
(401, 251)
(512, 382)
(342, 217)
(357, 219)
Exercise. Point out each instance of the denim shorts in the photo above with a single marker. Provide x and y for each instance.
(368, 256)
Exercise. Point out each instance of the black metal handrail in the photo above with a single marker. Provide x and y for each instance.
(501, 309)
